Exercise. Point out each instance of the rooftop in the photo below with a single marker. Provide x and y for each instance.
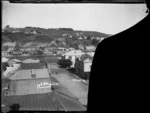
(47, 101)
(26, 66)
(26, 74)
(30, 86)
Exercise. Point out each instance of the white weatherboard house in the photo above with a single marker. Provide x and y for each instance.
(87, 65)
(72, 55)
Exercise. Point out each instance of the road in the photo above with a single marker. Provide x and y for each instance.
(74, 85)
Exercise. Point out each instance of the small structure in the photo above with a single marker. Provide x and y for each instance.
(33, 73)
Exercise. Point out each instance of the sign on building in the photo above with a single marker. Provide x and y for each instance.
(44, 85)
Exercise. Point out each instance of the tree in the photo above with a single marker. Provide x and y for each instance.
(88, 38)
(17, 47)
(40, 53)
(4, 66)
(95, 42)
(65, 63)
(42, 48)
(14, 107)
(7, 26)
(5, 48)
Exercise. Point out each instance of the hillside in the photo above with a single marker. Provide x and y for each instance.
(59, 37)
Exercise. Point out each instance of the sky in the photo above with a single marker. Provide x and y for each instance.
(106, 18)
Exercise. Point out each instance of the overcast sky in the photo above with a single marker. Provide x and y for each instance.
(106, 18)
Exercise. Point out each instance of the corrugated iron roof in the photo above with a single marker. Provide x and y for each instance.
(39, 65)
(48, 101)
(26, 74)
(28, 86)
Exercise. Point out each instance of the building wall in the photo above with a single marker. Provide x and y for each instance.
(87, 66)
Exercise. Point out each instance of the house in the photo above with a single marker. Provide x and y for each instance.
(102, 39)
(70, 36)
(83, 66)
(47, 48)
(72, 55)
(31, 48)
(77, 34)
(71, 49)
(81, 47)
(80, 38)
(10, 48)
(34, 32)
(85, 37)
(63, 35)
(92, 38)
(98, 38)
(31, 61)
(15, 31)
(5, 53)
(5, 59)
(90, 48)
(17, 53)
(47, 51)
(11, 70)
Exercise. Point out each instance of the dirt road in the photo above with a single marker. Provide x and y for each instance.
(74, 85)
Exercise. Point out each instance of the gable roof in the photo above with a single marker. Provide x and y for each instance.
(87, 60)
(29, 65)
(85, 56)
(15, 60)
(31, 61)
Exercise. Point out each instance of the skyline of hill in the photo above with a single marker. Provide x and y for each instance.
(57, 36)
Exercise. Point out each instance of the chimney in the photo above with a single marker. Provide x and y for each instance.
(33, 73)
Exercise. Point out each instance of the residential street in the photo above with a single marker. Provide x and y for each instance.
(74, 85)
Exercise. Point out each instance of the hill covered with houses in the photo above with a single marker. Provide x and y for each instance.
(55, 37)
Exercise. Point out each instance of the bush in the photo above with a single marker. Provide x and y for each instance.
(65, 63)
(4, 66)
